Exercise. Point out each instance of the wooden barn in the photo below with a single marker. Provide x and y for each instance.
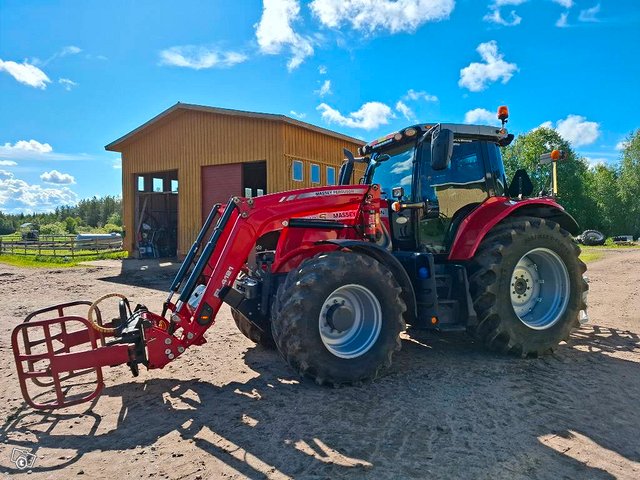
(189, 157)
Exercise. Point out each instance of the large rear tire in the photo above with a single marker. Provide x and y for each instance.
(527, 286)
(337, 318)
(252, 332)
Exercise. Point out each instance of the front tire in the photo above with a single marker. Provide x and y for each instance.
(337, 318)
(526, 284)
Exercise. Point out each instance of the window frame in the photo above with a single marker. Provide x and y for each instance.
(333, 169)
(293, 170)
(311, 168)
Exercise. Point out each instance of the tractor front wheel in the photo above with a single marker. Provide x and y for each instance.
(527, 286)
(337, 318)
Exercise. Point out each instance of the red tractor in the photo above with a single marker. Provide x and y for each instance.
(432, 236)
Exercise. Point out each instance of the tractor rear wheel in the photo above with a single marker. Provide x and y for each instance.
(252, 332)
(527, 286)
(337, 318)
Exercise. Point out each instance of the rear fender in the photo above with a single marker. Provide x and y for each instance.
(392, 263)
(483, 219)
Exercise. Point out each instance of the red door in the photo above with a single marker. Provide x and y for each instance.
(219, 182)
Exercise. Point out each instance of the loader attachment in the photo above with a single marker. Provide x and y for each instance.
(59, 357)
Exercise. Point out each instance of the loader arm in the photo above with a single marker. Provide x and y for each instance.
(51, 360)
(242, 222)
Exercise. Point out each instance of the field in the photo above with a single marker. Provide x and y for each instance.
(448, 408)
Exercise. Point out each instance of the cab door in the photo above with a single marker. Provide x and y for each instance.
(451, 194)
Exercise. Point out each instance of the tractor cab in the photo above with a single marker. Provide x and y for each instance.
(434, 176)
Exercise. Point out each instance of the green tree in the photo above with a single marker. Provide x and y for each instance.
(629, 185)
(573, 173)
(71, 225)
(602, 187)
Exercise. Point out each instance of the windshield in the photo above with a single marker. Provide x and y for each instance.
(397, 171)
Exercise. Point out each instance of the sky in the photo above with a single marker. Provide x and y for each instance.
(76, 75)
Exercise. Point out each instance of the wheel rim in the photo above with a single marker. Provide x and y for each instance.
(540, 288)
(350, 321)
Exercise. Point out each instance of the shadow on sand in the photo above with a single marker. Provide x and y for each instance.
(447, 410)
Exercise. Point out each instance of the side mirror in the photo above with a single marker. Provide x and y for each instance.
(441, 148)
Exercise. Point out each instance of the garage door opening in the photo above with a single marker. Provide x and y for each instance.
(221, 182)
(156, 215)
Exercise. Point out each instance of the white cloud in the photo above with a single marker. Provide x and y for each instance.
(414, 95)
(575, 129)
(57, 178)
(589, 15)
(325, 89)
(67, 84)
(34, 150)
(19, 196)
(25, 73)
(198, 57)
(293, 113)
(502, 3)
(371, 15)
(274, 32)
(564, 3)
(562, 21)
(7, 163)
(405, 110)
(476, 75)
(70, 50)
(480, 116)
(117, 164)
(22, 146)
(322, 70)
(371, 115)
(496, 17)
(621, 145)
(594, 162)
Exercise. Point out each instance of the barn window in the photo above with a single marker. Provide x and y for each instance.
(140, 183)
(315, 173)
(298, 171)
(331, 175)
(158, 185)
(174, 186)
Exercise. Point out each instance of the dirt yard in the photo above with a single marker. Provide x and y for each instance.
(229, 409)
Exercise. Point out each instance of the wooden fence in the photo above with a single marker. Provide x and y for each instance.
(59, 246)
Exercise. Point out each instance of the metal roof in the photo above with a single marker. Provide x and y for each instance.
(179, 108)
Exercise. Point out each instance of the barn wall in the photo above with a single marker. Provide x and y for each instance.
(309, 147)
(187, 141)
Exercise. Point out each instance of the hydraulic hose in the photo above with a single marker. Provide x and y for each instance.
(94, 306)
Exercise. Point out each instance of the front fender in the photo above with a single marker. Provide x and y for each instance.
(478, 223)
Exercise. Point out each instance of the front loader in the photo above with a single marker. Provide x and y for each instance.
(432, 236)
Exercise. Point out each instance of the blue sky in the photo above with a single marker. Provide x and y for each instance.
(76, 75)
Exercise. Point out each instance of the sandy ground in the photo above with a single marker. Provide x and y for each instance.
(448, 409)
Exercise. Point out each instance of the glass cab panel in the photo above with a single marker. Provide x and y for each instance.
(451, 193)
(397, 171)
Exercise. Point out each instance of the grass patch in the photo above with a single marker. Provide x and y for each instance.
(591, 254)
(48, 261)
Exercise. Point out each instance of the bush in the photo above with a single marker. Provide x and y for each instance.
(56, 228)
(71, 225)
(112, 228)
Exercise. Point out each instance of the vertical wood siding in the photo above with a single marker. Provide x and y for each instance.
(189, 140)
